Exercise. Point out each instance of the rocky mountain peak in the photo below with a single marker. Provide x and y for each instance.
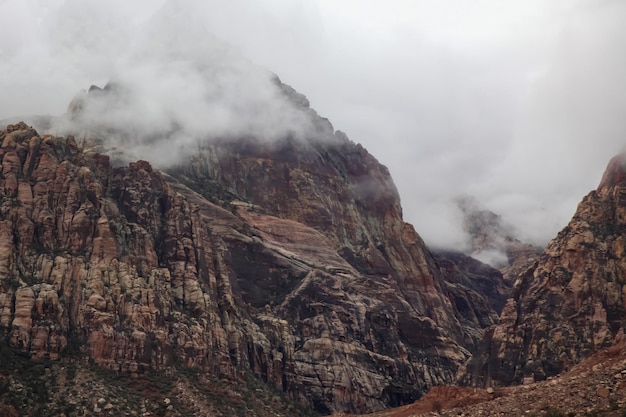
(271, 252)
(615, 173)
(570, 303)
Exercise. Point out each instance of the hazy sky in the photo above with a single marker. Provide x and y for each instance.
(519, 103)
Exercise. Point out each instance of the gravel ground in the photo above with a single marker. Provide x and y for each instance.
(595, 387)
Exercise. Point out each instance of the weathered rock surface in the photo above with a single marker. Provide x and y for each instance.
(477, 292)
(571, 302)
(594, 387)
(304, 274)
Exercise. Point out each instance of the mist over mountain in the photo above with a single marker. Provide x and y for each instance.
(180, 218)
(174, 87)
(509, 97)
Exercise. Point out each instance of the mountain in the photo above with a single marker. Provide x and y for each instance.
(494, 242)
(477, 291)
(558, 348)
(281, 261)
(269, 276)
(570, 303)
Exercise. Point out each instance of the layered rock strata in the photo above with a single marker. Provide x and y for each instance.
(304, 272)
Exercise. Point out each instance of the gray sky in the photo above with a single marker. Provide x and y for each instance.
(519, 103)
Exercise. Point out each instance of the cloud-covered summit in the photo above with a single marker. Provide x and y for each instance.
(520, 105)
(173, 85)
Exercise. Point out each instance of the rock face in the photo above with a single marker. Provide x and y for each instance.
(477, 291)
(300, 271)
(570, 303)
(596, 386)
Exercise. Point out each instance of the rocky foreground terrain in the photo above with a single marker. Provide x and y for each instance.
(594, 387)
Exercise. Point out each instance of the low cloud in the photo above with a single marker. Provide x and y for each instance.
(172, 83)
(520, 104)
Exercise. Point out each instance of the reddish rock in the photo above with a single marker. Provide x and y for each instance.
(288, 258)
(570, 303)
(315, 283)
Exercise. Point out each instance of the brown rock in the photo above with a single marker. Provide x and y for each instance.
(571, 302)
(603, 392)
(8, 411)
(314, 284)
(22, 319)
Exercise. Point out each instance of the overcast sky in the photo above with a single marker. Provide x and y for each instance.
(519, 103)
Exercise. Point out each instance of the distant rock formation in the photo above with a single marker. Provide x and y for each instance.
(571, 302)
(495, 243)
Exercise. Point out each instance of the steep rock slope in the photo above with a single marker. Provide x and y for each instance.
(335, 302)
(477, 291)
(340, 190)
(335, 186)
(570, 303)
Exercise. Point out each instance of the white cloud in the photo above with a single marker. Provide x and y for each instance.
(519, 103)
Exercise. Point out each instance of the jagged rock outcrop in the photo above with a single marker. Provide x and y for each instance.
(304, 273)
(571, 302)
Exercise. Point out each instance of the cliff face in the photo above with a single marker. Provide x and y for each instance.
(477, 291)
(570, 303)
(300, 271)
(340, 190)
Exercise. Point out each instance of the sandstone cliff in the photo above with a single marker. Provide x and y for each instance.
(477, 291)
(570, 303)
(301, 271)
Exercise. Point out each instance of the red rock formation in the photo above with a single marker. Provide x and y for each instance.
(342, 192)
(571, 302)
(314, 283)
